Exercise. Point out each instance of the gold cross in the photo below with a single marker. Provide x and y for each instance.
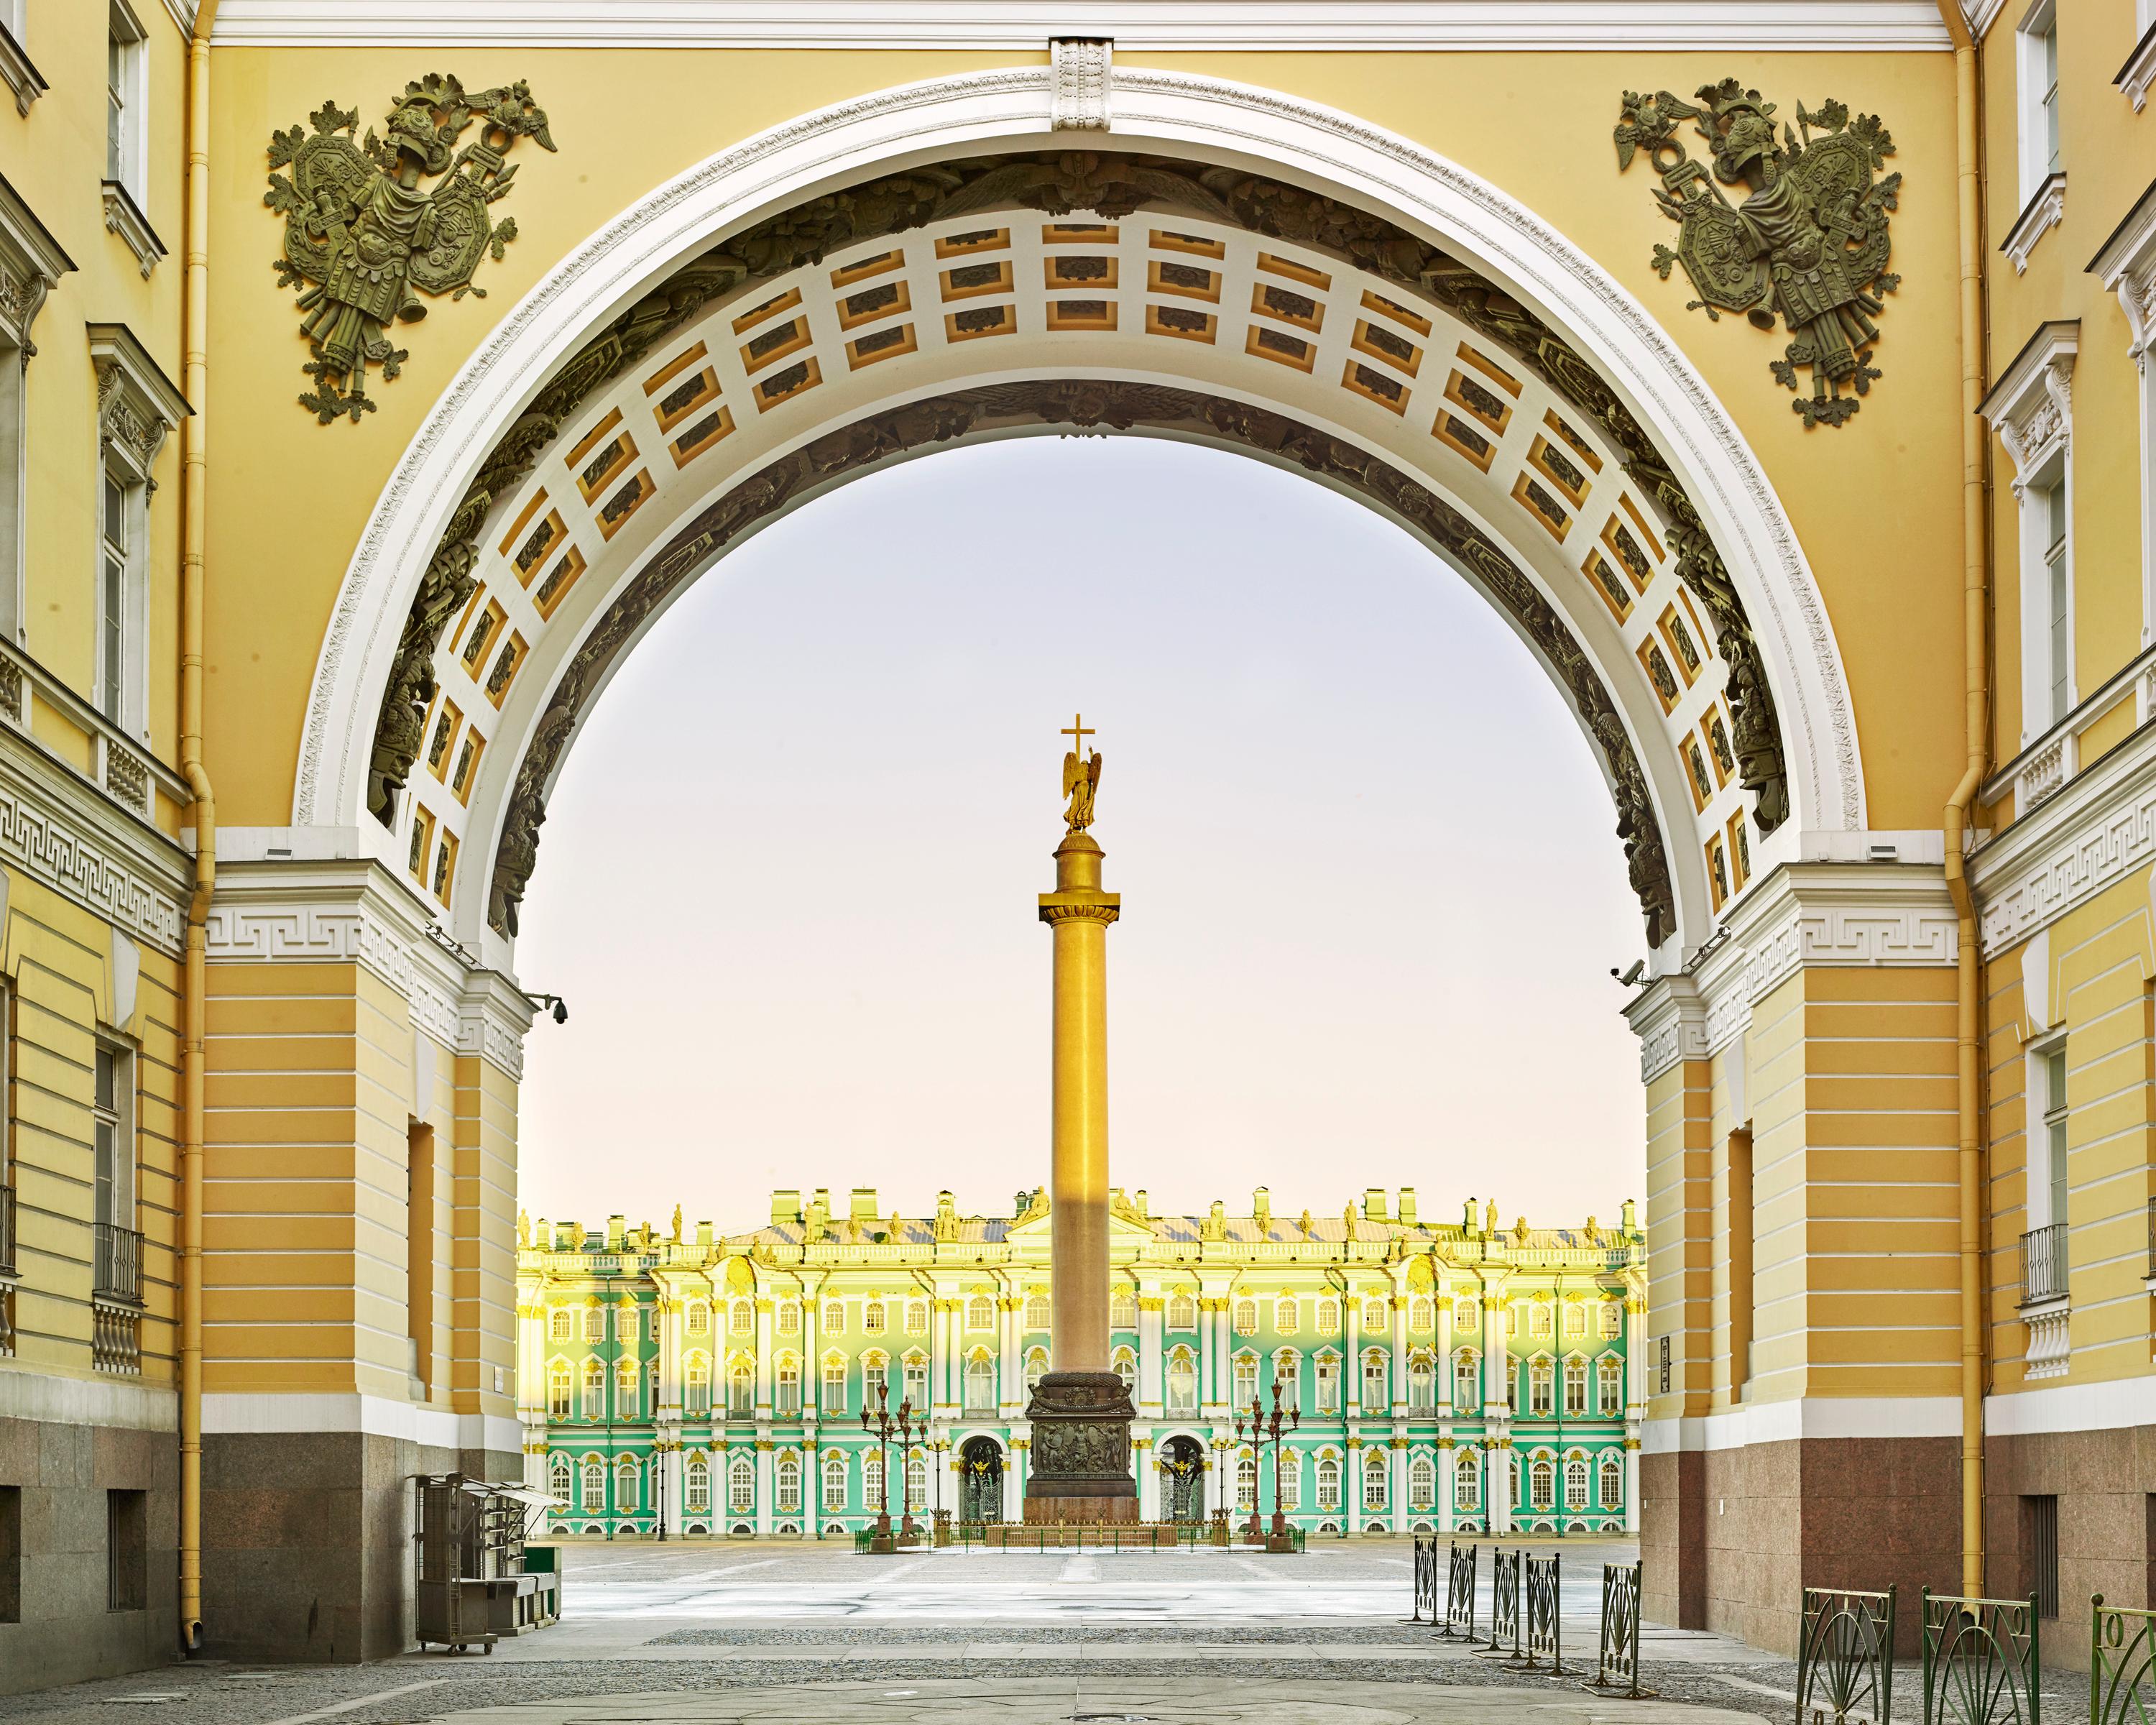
(1078, 730)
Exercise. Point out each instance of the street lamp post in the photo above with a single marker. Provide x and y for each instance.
(908, 1430)
(1264, 1428)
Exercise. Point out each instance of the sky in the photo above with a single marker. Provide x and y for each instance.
(1372, 888)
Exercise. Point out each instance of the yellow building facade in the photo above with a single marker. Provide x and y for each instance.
(377, 375)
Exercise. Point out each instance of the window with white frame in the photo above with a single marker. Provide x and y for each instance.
(1284, 1315)
(113, 1128)
(917, 1477)
(1466, 1381)
(1541, 1383)
(872, 1317)
(741, 1486)
(1575, 1483)
(564, 1324)
(1613, 1482)
(1183, 1382)
(1124, 1365)
(835, 1480)
(115, 550)
(594, 1324)
(835, 1318)
(834, 1385)
(1246, 1317)
(594, 1485)
(1246, 1381)
(1422, 1313)
(789, 1318)
(1422, 1385)
(561, 1384)
(1542, 1486)
(1609, 1372)
(1182, 1312)
(1328, 1318)
(915, 1383)
(594, 1391)
(1467, 1481)
(2031, 408)
(31, 259)
(1287, 1379)
(1422, 1484)
(1328, 1483)
(1036, 1368)
(740, 1389)
(1123, 1312)
(2046, 1260)
(980, 1385)
(1328, 1383)
(1377, 1395)
(1613, 1318)
(2051, 506)
(916, 1318)
(789, 1484)
(2037, 70)
(1291, 1481)
(1037, 1314)
(1375, 1480)
(1374, 1315)
(697, 1485)
(628, 1484)
(1575, 1388)
(1246, 1483)
(126, 88)
(789, 1387)
(980, 1313)
(560, 1475)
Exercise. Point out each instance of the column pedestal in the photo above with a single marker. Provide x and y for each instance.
(1080, 1468)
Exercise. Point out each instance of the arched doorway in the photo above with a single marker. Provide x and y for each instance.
(1182, 1479)
(980, 1480)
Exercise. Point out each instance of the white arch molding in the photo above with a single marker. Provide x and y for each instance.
(1167, 113)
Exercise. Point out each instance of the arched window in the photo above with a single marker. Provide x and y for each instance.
(1291, 1480)
(1466, 1381)
(1182, 1312)
(1467, 1481)
(980, 1385)
(1375, 1480)
(696, 1487)
(628, 1400)
(1538, 1319)
(980, 1313)
(1124, 1365)
(594, 1323)
(1328, 1318)
(872, 1480)
(741, 1486)
(1284, 1315)
(1246, 1483)
(1613, 1482)
(699, 1318)
(594, 1485)
(1327, 1372)
(594, 1389)
(696, 1387)
(1038, 1315)
(1542, 1487)
(1575, 1386)
(627, 1485)
(789, 1318)
(1287, 1379)
(1542, 1385)
(1613, 1318)
(834, 1317)
(789, 1483)
(1575, 1483)
(1376, 1395)
(740, 1318)
(1422, 1314)
(789, 1387)
(1123, 1312)
(834, 1384)
(916, 1381)
(1036, 1368)
(560, 1477)
(1610, 1371)
(560, 1387)
(916, 1318)
(872, 1317)
(1466, 1314)
(1181, 1382)
(741, 1389)
(1575, 1319)
(1246, 1380)
(1246, 1317)
(835, 1480)
(1328, 1483)
(1512, 1320)
(1374, 1315)
(916, 1478)
(565, 1324)
(1422, 1385)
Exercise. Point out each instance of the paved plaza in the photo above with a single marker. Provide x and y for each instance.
(705, 1633)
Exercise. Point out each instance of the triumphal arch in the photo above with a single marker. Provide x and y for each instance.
(1727, 352)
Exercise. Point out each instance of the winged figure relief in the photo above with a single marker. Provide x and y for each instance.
(1807, 243)
(1081, 779)
(364, 228)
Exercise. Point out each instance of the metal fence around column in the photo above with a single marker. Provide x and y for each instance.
(1980, 1660)
(2122, 1665)
(1845, 1657)
(1425, 1581)
(1504, 1604)
(1459, 1595)
(1617, 1661)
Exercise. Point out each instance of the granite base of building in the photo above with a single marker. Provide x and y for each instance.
(1731, 1537)
(1080, 1469)
(89, 1523)
(2097, 1491)
(307, 1542)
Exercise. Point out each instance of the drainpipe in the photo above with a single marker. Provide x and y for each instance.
(194, 461)
(1977, 719)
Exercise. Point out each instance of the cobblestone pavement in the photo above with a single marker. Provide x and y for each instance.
(708, 1633)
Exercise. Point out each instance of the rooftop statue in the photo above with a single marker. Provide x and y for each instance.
(1081, 777)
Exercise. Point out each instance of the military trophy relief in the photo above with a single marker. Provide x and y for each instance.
(1805, 242)
(367, 222)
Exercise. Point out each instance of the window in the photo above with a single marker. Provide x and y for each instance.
(1037, 1315)
(1575, 1483)
(980, 1313)
(1036, 1368)
(1373, 1482)
(1374, 1317)
(834, 1385)
(560, 1386)
(1467, 1314)
(872, 1317)
(1422, 1314)
(1467, 1482)
(835, 1318)
(872, 1480)
(594, 1324)
(1542, 1385)
(1575, 1319)
(2055, 1134)
(1291, 1481)
(789, 1318)
(126, 1550)
(741, 1486)
(789, 1388)
(594, 1498)
(1122, 1312)
(1328, 1384)
(114, 1107)
(1246, 1381)
(1542, 1486)
(1246, 1317)
(1538, 1319)
(124, 132)
(916, 1388)
(1575, 1388)
(1466, 1381)
(1328, 1483)
(2037, 78)
(980, 1385)
(697, 1485)
(564, 1324)
(1422, 1385)
(789, 1484)
(1181, 1382)
(1376, 1397)
(1613, 1319)
(1328, 1318)
(1284, 1315)
(1124, 1365)
(1246, 1483)
(2058, 633)
(835, 1480)
(2040, 1541)
(1610, 1386)
(560, 1478)
(628, 1484)
(629, 1404)
(114, 548)
(1613, 1482)
(1422, 1483)
(741, 1390)
(740, 1318)
(696, 1388)
(916, 1318)
(1183, 1313)
(594, 1389)
(1287, 1379)
(699, 1318)
(917, 1477)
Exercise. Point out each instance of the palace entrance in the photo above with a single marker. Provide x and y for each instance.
(1182, 1479)
(980, 1480)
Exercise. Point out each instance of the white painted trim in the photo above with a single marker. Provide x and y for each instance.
(1221, 26)
(2072, 1407)
(372, 1415)
(27, 1394)
(1012, 108)
(1913, 1416)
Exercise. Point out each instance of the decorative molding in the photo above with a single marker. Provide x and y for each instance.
(22, 78)
(2044, 772)
(1844, 914)
(2127, 266)
(2045, 212)
(2050, 1346)
(1670, 1018)
(61, 832)
(1079, 69)
(1981, 14)
(31, 265)
(123, 216)
(2139, 72)
(2032, 407)
(138, 404)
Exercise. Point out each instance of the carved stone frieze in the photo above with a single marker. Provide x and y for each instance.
(1086, 405)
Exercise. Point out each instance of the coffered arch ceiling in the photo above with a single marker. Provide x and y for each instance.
(980, 296)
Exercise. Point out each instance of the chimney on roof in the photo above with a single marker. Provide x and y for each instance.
(1467, 1214)
(1631, 1216)
(569, 1237)
(1408, 1208)
(616, 1228)
(865, 1205)
(1138, 1198)
(703, 1236)
(785, 1206)
(1261, 1206)
(1373, 1204)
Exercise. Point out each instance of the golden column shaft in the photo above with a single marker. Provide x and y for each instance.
(1078, 914)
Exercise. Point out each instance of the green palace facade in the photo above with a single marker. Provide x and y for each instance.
(1449, 1376)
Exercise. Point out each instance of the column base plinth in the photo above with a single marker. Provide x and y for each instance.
(1080, 1459)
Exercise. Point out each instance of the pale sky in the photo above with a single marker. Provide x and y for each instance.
(1372, 889)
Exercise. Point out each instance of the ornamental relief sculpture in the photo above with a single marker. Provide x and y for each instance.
(1807, 243)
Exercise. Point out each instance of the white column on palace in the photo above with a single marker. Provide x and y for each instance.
(1441, 1366)
(1399, 1344)
(1396, 1468)
(764, 1356)
(812, 1367)
(1148, 1467)
(1151, 1398)
(941, 1315)
(1500, 1490)
(1497, 1355)
(767, 1486)
(1009, 1376)
(1353, 1327)
(812, 1493)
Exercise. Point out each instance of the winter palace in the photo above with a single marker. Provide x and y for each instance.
(1448, 1375)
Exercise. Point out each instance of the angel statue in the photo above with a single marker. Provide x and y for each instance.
(363, 231)
(1081, 777)
(1809, 242)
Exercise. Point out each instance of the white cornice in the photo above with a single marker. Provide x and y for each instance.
(1155, 26)
(2127, 266)
(2032, 407)
(22, 78)
(1981, 14)
(2043, 212)
(2140, 71)
(31, 265)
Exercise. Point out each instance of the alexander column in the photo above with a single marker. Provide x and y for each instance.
(1080, 1413)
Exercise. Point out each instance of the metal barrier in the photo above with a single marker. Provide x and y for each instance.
(1504, 1604)
(1617, 1660)
(2122, 1665)
(1845, 1657)
(1459, 1595)
(1425, 1581)
(1980, 1660)
(1541, 1645)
